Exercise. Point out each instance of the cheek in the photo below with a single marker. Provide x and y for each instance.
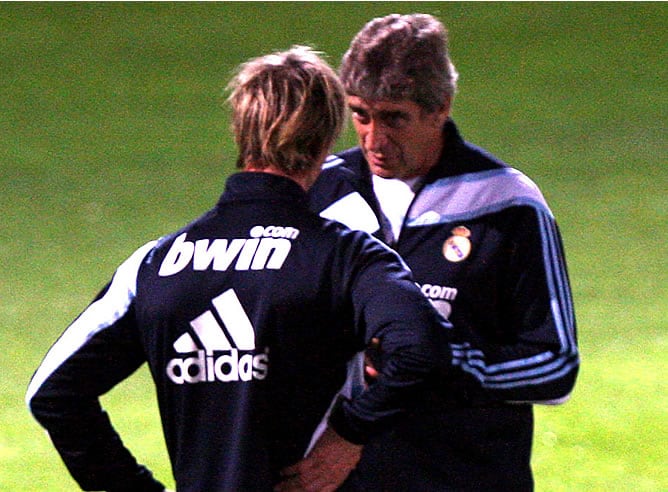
(423, 136)
(411, 142)
(359, 128)
(416, 148)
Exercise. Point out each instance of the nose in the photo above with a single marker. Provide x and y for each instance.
(375, 138)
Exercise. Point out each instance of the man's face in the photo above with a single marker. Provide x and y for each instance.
(399, 139)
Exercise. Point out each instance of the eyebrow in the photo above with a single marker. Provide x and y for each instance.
(393, 114)
(383, 115)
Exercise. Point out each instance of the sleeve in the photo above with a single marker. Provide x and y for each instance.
(96, 352)
(389, 306)
(539, 362)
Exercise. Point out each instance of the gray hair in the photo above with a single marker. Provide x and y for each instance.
(401, 57)
(288, 109)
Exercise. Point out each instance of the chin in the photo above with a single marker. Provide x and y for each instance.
(383, 173)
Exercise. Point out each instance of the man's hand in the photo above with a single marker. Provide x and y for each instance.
(371, 359)
(325, 468)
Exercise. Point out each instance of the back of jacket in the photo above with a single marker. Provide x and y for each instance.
(246, 318)
(244, 306)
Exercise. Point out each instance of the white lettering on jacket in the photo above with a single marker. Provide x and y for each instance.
(267, 248)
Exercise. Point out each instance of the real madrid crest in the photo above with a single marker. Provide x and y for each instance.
(458, 246)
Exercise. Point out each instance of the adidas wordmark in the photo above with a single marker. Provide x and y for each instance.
(222, 356)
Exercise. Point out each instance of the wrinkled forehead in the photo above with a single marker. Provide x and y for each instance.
(378, 106)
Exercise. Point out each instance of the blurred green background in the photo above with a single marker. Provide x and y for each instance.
(112, 133)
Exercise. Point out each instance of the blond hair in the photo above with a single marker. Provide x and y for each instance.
(288, 110)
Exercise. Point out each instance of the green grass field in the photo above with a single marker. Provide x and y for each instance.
(112, 133)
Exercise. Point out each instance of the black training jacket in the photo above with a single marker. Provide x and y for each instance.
(247, 318)
(485, 248)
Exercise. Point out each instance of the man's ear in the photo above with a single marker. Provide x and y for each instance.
(445, 110)
(442, 114)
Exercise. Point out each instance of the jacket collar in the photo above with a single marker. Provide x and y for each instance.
(262, 186)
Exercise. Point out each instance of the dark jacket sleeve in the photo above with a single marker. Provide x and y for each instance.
(389, 306)
(96, 352)
(515, 334)
(537, 359)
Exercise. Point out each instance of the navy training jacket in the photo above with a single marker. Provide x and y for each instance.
(247, 318)
(485, 249)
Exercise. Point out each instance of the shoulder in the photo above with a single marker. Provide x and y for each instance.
(347, 159)
(348, 165)
(343, 174)
(511, 186)
(475, 194)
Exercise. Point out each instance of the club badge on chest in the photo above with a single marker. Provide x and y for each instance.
(458, 246)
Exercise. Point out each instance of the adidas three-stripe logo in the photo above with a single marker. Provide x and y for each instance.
(232, 334)
(211, 334)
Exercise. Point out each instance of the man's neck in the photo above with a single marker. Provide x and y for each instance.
(305, 179)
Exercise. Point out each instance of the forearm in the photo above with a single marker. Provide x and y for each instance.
(520, 372)
(89, 446)
(402, 380)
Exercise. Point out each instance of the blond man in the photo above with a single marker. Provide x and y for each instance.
(247, 318)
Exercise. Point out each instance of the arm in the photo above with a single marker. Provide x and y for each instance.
(389, 307)
(525, 348)
(97, 351)
(326, 467)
